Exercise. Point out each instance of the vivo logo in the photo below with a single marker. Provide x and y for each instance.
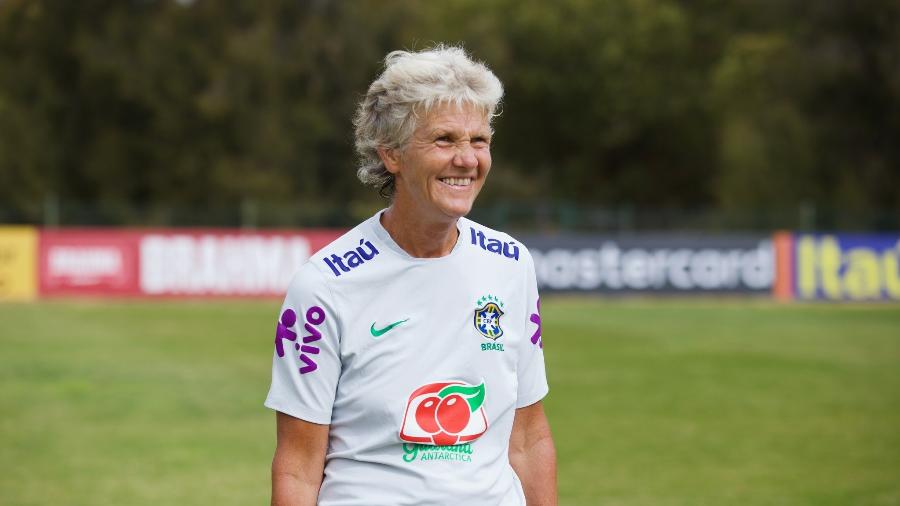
(314, 317)
(351, 259)
(507, 249)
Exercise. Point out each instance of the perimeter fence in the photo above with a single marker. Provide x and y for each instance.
(509, 215)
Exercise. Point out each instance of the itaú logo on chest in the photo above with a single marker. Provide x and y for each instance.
(445, 413)
(351, 259)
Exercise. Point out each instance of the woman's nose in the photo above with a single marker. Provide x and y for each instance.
(465, 156)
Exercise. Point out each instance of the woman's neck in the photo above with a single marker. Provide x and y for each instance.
(418, 236)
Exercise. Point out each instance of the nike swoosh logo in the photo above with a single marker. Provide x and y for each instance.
(376, 333)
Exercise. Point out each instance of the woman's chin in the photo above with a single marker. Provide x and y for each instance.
(457, 209)
(456, 206)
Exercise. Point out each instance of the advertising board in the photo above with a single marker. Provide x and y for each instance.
(173, 263)
(223, 264)
(18, 272)
(226, 263)
(656, 263)
(851, 267)
(88, 262)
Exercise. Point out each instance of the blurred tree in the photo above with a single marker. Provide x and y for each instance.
(741, 106)
(854, 50)
(602, 106)
(765, 147)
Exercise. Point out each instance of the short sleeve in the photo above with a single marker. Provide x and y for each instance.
(306, 362)
(531, 373)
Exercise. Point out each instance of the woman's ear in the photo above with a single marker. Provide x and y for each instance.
(390, 157)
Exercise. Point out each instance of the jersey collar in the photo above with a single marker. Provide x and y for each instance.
(385, 238)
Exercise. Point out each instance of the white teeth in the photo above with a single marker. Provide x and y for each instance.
(457, 181)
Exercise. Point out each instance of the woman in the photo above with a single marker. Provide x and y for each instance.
(409, 367)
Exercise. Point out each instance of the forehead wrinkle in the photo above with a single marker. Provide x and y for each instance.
(447, 119)
(453, 128)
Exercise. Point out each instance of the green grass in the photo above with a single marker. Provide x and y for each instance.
(652, 402)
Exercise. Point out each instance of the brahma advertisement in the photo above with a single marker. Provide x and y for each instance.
(205, 264)
(173, 263)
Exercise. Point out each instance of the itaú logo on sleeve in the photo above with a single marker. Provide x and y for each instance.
(445, 413)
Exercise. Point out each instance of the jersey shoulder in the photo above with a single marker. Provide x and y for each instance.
(494, 242)
(358, 247)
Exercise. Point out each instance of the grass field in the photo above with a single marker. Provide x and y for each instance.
(685, 402)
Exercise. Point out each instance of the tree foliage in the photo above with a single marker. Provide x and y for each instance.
(644, 103)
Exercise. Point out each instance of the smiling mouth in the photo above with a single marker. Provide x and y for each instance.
(459, 182)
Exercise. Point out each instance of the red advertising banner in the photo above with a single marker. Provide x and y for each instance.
(173, 263)
(88, 262)
(224, 264)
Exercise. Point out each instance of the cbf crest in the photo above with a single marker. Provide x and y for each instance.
(487, 317)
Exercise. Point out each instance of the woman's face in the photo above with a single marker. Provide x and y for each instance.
(443, 167)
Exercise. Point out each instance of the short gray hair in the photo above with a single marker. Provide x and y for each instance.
(412, 83)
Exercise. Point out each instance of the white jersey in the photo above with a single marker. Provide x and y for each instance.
(417, 364)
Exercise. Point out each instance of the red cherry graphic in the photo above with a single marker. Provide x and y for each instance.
(444, 439)
(425, 414)
(453, 414)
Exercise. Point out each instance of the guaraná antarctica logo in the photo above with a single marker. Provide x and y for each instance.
(454, 453)
(443, 414)
(488, 310)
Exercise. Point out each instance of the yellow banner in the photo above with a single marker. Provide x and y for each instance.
(18, 263)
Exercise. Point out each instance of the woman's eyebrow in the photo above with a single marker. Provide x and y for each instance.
(440, 132)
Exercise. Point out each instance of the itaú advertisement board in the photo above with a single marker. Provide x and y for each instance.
(654, 263)
(842, 267)
(18, 273)
(174, 263)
